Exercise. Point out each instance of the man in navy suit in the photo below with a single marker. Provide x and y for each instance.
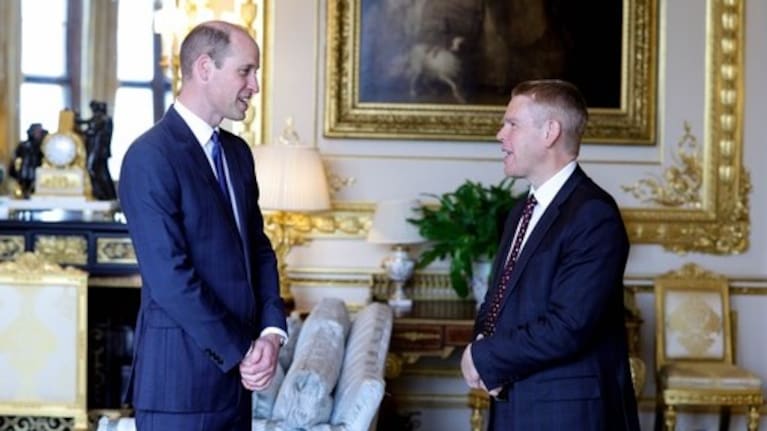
(211, 320)
(550, 343)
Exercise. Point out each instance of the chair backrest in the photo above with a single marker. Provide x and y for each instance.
(692, 317)
(43, 331)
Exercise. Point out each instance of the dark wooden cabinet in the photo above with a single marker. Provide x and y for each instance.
(100, 248)
(104, 250)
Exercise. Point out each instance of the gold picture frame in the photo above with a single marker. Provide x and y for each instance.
(347, 115)
(702, 205)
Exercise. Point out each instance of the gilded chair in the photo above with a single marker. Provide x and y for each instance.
(43, 334)
(694, 349)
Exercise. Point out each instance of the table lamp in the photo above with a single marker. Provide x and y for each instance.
(292, 184)
(390, 226)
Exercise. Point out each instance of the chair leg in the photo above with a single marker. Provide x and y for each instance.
(724, 419)
(753, 418)
(669, 417)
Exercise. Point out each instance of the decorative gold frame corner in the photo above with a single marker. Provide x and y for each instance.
(346, 117)
(721, 223)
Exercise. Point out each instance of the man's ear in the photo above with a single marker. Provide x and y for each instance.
(552, 129)
(203, 66)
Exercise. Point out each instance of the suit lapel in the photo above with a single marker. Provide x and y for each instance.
(184, 137)
(541, 229)
(237, 175)
(508, 236)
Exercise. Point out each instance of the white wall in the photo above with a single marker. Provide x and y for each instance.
(386, 169)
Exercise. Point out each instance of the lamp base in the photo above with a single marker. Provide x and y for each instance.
(401, 303)
(398, 298)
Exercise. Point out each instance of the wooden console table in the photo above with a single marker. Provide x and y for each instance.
(434, 329)
(437, 328)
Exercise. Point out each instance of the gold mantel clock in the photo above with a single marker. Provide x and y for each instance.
(63, 170)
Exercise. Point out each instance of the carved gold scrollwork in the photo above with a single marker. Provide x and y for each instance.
(691, 271)
(681, 184)
(720, 398)
(23, 423)
(115, 250)
(346, 219)
(63, 248)
(413, 336)
(336, 182)
(36, 265)
(11, 246)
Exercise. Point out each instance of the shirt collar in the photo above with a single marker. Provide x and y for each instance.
(201, 130)
(548, 190)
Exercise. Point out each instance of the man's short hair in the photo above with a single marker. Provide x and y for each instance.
(562, 96)
(209, 38)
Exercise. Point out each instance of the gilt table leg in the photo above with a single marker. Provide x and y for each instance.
(478, 401)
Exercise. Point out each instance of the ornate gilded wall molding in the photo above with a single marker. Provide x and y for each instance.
(681, 184)
(345, 220)
(720, 225)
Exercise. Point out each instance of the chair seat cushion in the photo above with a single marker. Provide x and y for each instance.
(361, 385)
(305, 397)
(708, 375)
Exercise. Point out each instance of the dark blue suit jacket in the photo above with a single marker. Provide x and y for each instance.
(559, 347)
(208, 289)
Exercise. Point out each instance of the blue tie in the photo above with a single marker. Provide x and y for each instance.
(218, 162)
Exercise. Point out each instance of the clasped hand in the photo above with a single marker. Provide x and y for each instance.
(259, 364)
(471, 375)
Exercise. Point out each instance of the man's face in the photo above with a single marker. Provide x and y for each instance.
(235, 82)
(522, 138)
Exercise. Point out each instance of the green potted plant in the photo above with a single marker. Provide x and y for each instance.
(466, 227)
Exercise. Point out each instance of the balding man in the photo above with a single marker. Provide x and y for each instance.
(211, 320)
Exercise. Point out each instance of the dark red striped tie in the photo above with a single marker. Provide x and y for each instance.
(497, 300)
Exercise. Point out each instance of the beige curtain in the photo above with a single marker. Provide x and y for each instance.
(99, 67)
(10, 71)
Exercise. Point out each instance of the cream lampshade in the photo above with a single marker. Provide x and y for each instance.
(390, 226)
(292, 183)
(291, 177)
